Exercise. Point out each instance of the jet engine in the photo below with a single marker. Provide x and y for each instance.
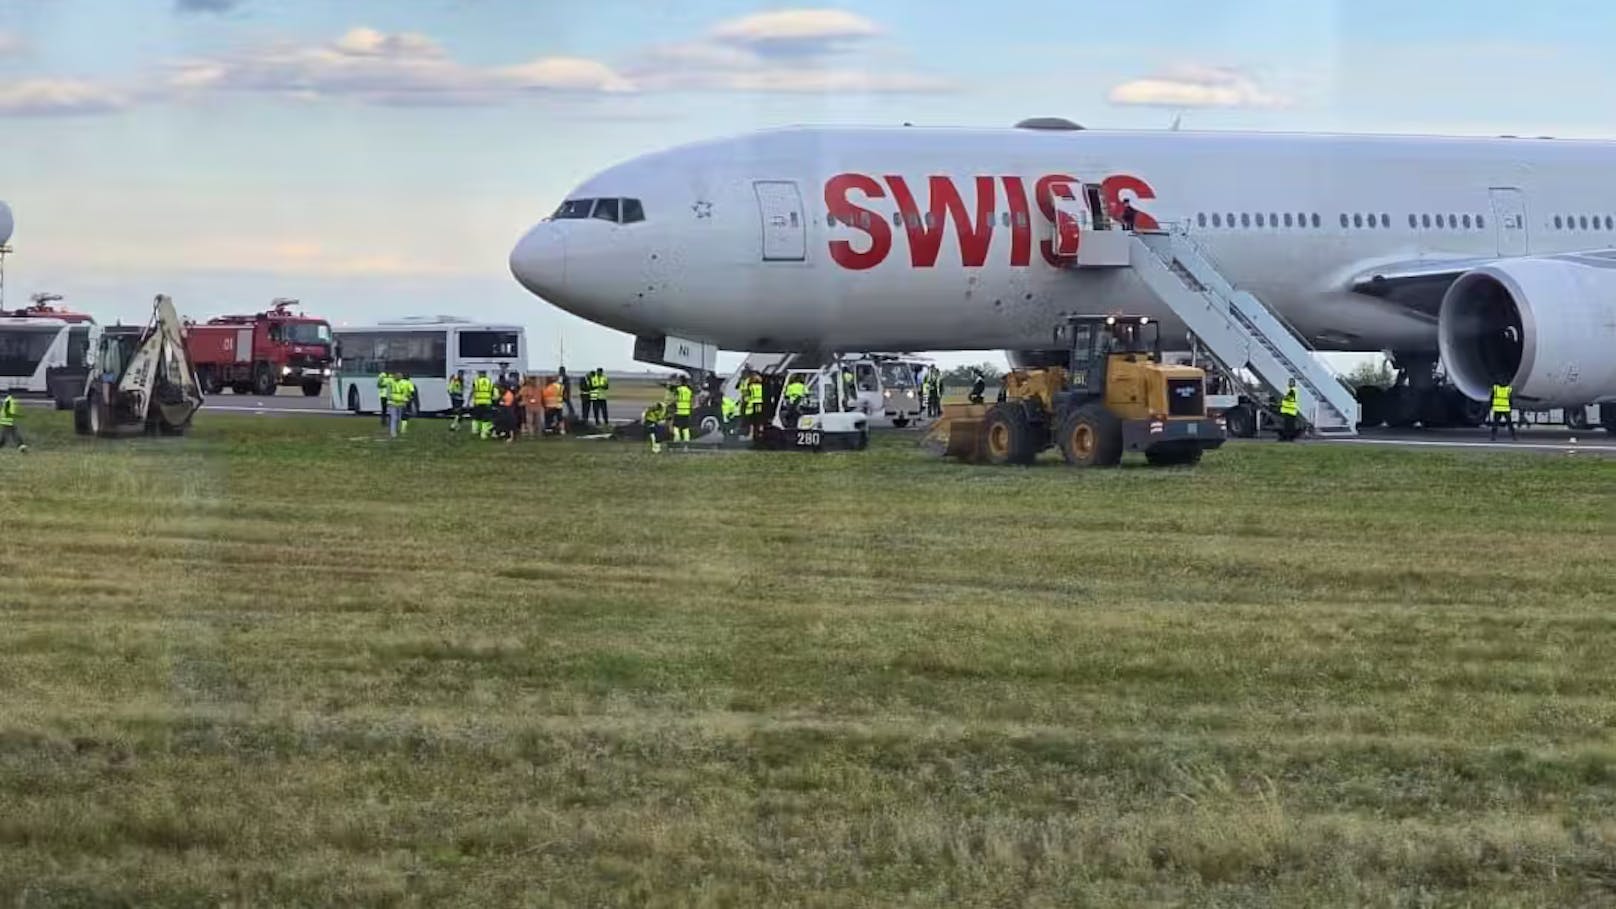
(1037, 359)
(1546, 326)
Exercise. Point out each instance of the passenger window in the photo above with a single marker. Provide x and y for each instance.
(1608, 223)
(1316, 219)
(1231, 221)
(1426, 220)
(1357, 220)
(897, 220)
(1466, 221)
(830, 220)
(1245, 219)
(633, 211)
(1345, 221)
(930, 221)
(794, 221)
(1217, 220)
(1200, 219)
(1287, 219)
(1385, 220)
(1413, 221)
(1480, 222)
(1584, 222)
(606, 210)
(1021, 219)
(864, 219)
(1006, 219)
(1259, 219)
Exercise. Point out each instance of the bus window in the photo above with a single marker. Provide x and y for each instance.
(489, 345)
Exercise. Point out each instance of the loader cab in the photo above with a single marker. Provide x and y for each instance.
(1096, 342)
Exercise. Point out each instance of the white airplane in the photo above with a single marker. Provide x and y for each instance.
(1498, 253)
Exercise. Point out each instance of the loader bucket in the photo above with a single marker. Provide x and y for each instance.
(956, 432)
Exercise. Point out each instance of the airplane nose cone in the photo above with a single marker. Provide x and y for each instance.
(539, 261)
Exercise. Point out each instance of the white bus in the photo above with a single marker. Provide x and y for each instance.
(44, 351)
(429, 350)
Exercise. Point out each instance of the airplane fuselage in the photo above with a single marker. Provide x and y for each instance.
(912, 238)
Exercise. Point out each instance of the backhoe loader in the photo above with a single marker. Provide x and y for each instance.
(142, 380)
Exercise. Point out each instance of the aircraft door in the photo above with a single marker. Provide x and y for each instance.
(1509, 216)
(785, 230)
(1071, 217)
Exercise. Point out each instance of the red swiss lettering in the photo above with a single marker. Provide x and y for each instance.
(1112, 189)
(873, 224)
(926, 232)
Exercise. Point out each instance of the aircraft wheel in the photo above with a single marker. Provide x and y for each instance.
(1577, 418)
(1241, 421)
(899, 422)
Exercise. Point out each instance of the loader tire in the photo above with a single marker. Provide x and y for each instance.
(81, 416)
(1091, 436)
(1007, 435)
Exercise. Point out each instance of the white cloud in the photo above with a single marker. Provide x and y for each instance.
(1196, 86)
(795, 31)
(378, 67)
(739, 56)
(57, 97)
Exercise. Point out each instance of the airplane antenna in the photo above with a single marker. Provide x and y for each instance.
(1178, 120)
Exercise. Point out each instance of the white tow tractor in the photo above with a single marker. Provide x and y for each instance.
(884, 384)
(142, 380)
(822, 420)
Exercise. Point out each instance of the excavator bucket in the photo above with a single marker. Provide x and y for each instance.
(957, 432)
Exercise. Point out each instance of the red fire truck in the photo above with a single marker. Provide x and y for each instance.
(259, 353)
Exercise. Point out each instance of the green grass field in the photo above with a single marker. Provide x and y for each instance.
(280, 662)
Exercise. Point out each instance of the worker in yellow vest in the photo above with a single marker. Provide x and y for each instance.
(1290, 409)
(753, 407)
(1503, 410)
(457, 399)
(482, 405)
(384, 393)
(9, 412)
(399, 398)
(653, 418)
(600, 393)
(684, 398)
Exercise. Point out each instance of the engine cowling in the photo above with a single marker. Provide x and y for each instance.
(1037, 359)
(1545, 326)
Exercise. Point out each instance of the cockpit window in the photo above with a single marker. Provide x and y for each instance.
(633, 211)
(574, 208)
(606, 209)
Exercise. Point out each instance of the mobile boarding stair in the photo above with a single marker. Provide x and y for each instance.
(1241, 334)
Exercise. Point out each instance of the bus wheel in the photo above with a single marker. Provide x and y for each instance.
(353, 399)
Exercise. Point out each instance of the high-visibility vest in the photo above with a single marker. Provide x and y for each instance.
(754, 397)
(599, 387)
(551, 395)
(457, 387)
(401, 392)
(1501, 395)
(482, 391)
(796, 391)
(586, 388)
(681, 400)
(731, 410)
(654, 414)
(1288, 407)
(384, 386)
(8, 411)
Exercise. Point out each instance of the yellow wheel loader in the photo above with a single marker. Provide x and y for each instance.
(1115, 395)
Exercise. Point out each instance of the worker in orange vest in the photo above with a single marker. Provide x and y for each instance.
(552, 396)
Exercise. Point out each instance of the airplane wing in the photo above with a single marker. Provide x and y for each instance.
(1419, 284)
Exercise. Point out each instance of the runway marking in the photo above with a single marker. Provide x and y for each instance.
(1502, 446)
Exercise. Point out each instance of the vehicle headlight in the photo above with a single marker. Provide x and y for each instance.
(325, 372)
(888, 393)
(286, 370)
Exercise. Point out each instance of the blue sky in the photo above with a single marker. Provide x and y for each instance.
(379, 157)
